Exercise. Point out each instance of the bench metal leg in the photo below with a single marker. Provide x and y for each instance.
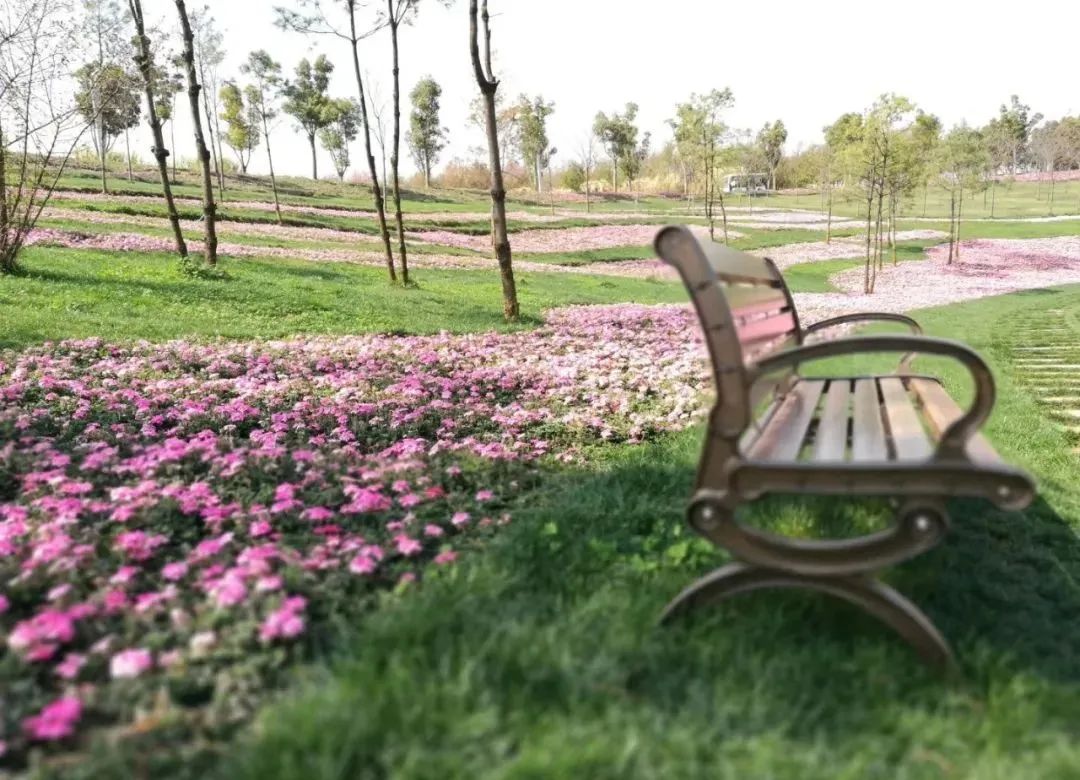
(872, 595)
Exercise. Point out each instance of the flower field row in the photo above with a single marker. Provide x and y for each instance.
(558, 240)
(286, 208)
(179, 520)
(986, 267)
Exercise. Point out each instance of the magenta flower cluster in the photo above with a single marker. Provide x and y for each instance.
(182, 513)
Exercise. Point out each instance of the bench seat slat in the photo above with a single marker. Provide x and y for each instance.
(868, 432)
(832, 433)
(785, 432)
(909, 440)
(941, 411)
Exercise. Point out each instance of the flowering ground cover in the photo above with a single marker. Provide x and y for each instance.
(175, 518)
(986, 267)
(287, 208)
(557, 240)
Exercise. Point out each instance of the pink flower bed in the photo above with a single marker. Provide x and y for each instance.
(138, 242)
(176, 519)
(837, 249)
(256, 205)
(558, 239)
(1044, 176)
(986, 267)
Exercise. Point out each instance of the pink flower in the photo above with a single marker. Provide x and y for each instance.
(433, 530)
(4, 604)
(367, 500)
(128, 664)
(445, 557)
(56, 721)
(317, 514)
(138, 545)
(39, 635)
(268, 584)
(484, 495)
(123, 575)
(174, 571)
(70, 666)
(259, 528)
(283, 623)
(406, 545)
(228, 591)
(362, 564)
(459, 519)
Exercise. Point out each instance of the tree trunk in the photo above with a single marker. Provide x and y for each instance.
(959, 214)
(209, 209)
(993, 197)
(396, 152)
(172, 134)
(869, 225)
(220, 153)
(145, 64)
(500, 238)
(828, 222)
(723, 216)
(588, 204)
(270, 161)
(127, 146)
(219, 161)
(101, 150)
(314, 157)
(376, 190)
(7, 256)
(892, 228)
(952, 225)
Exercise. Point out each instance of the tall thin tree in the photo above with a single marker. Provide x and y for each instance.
(489, 85)
(398, 12)
(144, 60)
(209, 209)
(267, 76)
(317, 23)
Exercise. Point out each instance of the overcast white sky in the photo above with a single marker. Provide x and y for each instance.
(803, 61)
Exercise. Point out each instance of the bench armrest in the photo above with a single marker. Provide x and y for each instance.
(865, 316)
(871, 316)
(955, 437)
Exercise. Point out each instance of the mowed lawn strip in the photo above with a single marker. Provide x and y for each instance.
(124, 295)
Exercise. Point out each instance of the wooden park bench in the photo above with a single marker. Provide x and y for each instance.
(772, 430)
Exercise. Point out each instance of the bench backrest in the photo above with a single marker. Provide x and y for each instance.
(746, 313)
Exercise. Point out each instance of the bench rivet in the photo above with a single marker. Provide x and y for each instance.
(922, 524)
(1004, 491)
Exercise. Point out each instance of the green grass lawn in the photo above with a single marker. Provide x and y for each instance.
(122, 295)
(541, 658)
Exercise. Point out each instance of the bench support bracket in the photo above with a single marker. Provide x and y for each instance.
(846, 569)
(872, 595)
